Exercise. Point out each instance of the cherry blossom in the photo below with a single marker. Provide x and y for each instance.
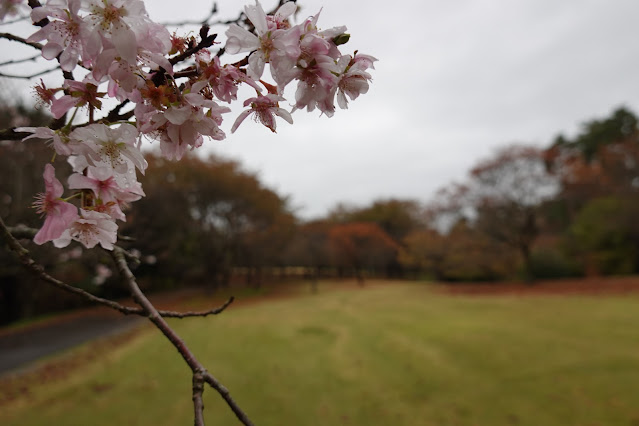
(280, 19)
(65, 33)
(312, 64)
(182, 126)
(58, 138)
(107, 190)
(125, 76)
(80, 94)
(223, 80)
(44, 94)
(267, 40)
(114, 147)
(265, 109)
(126, 57)
(59, 214)
(353, 77)
(90, 228)
(112, 21)
(102, 182)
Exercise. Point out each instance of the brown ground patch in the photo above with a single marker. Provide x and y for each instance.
(587, 286)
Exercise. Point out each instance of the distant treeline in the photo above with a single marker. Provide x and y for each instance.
(569, 209)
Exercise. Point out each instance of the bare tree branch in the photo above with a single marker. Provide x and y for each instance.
(114, 114)
(224, 392)
(199, 372)
(198, 403)
(12, 235)
(207, 20)
(206, 41)
(214, 311)
(12, 135)
(36, 3)
(15, 38)
(28, 77)
(26, 259)
(200, 375)
(19, 61)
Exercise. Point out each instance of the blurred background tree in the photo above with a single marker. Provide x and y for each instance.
(566, 210)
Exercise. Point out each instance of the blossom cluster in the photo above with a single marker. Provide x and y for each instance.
(118, 47)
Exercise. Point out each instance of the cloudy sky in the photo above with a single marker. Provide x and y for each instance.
(455, 79)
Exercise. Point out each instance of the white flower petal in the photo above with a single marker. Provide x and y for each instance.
(286, 10)
(239, 119)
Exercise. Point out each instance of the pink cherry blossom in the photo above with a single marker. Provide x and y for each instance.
(184, 129)
(120, 47)
(223, 80)
(113, 147)
(267, 42)
(80, 94)
(312, 65)
(265, 109)
(353, 77)
(65, 33)
(101, 181)
(44, 95)
(112, 208)
(58, 138)
(125, 76)
(280, 19)
(59, 214)
(181, 127)
(107, 190)
(90, 229)
(241, 40)
(363, 62)
(111, 20)
(317, 80)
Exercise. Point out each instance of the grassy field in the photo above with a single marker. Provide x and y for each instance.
(391, 354)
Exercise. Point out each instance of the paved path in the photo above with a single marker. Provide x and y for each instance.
(21, 348)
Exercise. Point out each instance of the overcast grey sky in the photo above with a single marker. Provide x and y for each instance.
(455, 79)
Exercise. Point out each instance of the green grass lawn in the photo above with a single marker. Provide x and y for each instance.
(393, 354)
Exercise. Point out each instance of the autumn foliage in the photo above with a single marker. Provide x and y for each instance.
(525, 212)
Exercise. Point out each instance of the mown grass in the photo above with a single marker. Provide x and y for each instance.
(392, 354)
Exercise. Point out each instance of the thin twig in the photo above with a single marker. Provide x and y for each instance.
(198, 403)
(214, 10)
(205, 42)
(188, 314)
(12, 135)
(36, 3)
(19, 61)
(26, 259)
(224, 392)
(28, 77)
(12, 235)
(13, 37)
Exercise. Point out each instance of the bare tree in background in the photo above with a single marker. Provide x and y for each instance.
(506, 191)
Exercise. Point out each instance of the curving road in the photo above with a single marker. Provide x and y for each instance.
(21, 348)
